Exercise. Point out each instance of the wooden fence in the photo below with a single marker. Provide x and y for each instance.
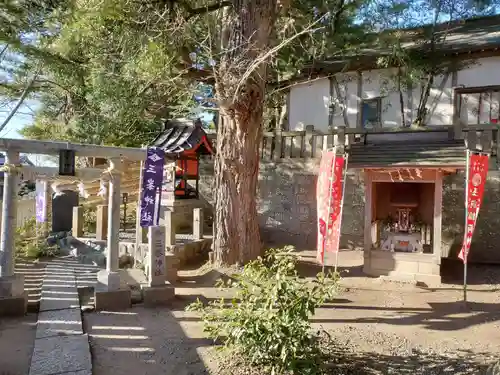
(309, 143)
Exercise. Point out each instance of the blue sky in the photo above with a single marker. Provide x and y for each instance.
(16, 123)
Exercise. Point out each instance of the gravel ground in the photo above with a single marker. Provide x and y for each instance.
(17, 339)
(375, 328)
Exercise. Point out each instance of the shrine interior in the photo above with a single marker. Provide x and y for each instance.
(402, 216)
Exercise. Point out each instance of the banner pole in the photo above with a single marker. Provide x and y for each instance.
(346, 156)
(329, 205)
(465, 226)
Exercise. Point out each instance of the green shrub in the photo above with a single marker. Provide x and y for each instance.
(28, 242)
(267, 321)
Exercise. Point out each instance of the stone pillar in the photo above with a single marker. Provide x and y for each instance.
(368, 223)
(102, 222)
(48, 203)
(77, 221)
(141, 234)
(197, 224)
(114, 217)
(171, 267)
(109, 294)
(13, 300)
(169, 228)
(157, 292)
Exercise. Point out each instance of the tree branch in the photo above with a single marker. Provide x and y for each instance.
(19, 102)
(192, 12)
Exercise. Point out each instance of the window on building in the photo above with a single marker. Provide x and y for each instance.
(371, 113)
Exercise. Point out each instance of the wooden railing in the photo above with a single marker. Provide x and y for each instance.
(309, 143)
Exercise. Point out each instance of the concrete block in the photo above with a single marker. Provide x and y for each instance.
(198, 223)
(59, 323)
(108, 280)
(61, 354)
(12, 286)
(158, 295)
(102, 222)
(406, 266)
(77, 227)
(428, 268)
(114, 300)
(59, 293)
(14, 306)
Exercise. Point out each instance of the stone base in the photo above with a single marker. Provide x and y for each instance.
(108, 280)
(403, 267)
(12, 286)
(112, 300)
(14, 306)
(158, 295)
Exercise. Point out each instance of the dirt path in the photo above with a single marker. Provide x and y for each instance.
(17, 338)
(377, 328)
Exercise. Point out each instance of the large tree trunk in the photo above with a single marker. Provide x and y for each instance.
(240, 93)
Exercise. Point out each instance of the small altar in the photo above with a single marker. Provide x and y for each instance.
(403, 225)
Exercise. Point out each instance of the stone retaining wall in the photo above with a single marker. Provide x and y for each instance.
(287, 208)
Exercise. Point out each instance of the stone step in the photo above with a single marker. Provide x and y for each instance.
(61, 346)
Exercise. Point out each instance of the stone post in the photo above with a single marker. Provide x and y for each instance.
(141, 234)
(197, 224)
(102, 222)
(169, 228)
(48, 204)
(110, 295)
(114, 217)
(157, 292)
(77, 221)
(13, 300)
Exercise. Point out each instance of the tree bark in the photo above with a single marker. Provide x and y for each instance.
(401, 99)
(240, 93)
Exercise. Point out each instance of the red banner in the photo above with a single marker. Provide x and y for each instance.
(329, 191)
(478, 171)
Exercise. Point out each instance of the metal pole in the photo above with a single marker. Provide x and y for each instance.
(329, 205)
(465, 227)
(346, 156)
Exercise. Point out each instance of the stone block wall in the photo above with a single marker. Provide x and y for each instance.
(287, 208)
(287, 203)
(484, 248)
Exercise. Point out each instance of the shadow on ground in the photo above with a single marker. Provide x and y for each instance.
(441, 316)
(144, 341)
(408, 361)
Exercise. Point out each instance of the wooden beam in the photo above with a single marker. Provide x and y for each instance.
(368, 214)
(438, 209)
(52, 148)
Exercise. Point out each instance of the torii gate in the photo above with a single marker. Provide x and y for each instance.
(12, 284)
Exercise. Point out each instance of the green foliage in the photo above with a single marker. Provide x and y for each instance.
(267, 321)
(28, 242)
(89, 219)
(425, 60)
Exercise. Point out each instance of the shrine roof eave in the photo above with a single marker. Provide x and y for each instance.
(408, 166)
(183, 136)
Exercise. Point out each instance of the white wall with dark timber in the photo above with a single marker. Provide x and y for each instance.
(309, 102)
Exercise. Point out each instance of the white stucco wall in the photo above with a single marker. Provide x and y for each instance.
(310, 104)
(309, 101)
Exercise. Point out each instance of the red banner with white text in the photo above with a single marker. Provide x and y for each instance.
(478, 172)
(329, 191)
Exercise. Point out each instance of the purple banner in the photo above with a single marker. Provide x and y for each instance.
(152, 179)
(40, 207)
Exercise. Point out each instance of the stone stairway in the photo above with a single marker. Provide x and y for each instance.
(61, 346)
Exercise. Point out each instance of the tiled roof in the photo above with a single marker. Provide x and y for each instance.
(182, 135)
(444, 153)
